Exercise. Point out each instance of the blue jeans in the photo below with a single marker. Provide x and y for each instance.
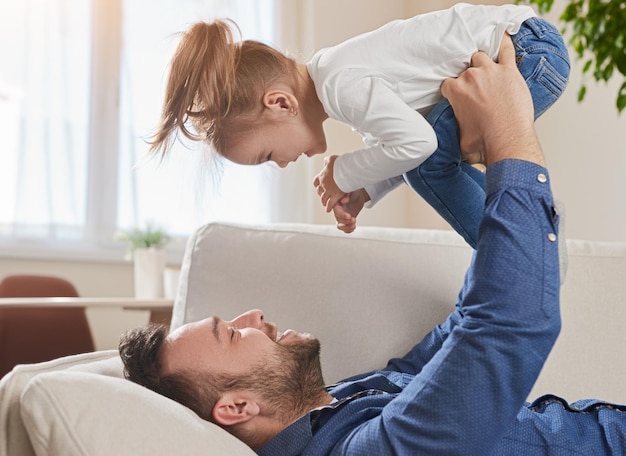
(455, 189)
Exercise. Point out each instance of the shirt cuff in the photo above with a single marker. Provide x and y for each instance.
(517, 173)
(378, 190)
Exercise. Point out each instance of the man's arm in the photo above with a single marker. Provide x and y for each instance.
(467, 396)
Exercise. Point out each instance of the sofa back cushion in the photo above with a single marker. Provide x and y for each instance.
(367, 296)
(589, 357)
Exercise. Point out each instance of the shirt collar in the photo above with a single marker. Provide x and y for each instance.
(290, 442)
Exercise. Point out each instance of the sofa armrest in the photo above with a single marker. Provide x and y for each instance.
(72, 412)
(14, 438)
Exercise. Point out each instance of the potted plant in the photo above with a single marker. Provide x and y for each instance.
(147, 250)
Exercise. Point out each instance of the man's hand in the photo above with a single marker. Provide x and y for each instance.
(493, 106)
(347, 209)
(325, 184)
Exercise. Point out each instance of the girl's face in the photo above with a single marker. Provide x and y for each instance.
(282, 142)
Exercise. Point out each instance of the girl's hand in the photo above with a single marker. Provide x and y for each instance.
(347, 209)
(325, 184)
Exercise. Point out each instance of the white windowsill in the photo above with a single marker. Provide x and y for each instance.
(78, 252)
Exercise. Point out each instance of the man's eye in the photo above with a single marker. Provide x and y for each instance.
(233, 331)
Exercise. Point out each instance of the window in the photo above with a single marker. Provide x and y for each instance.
(81, 84)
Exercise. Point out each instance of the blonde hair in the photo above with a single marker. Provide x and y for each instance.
(216, 84)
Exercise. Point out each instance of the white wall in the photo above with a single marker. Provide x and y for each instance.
(585, 145)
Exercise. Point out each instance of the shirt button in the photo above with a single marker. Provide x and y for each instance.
(551, 237)
(542, 178)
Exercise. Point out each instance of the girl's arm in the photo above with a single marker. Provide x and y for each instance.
(398, 138)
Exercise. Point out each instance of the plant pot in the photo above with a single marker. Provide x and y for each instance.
(148, 266)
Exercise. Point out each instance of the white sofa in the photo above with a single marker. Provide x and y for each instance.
(368, 296)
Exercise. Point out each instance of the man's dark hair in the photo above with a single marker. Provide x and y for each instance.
(139, 350)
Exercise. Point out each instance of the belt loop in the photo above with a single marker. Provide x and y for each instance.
(538, 26)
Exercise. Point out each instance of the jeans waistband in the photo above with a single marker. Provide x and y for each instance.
(539, 26)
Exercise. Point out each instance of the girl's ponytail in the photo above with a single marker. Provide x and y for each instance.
(200, 82)
(216, 84)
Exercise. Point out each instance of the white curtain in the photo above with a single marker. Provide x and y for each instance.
(44, 83)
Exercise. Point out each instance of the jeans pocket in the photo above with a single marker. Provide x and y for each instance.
(546, 82)
(543, 60)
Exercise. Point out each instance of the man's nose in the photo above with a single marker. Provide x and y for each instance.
(251, 319)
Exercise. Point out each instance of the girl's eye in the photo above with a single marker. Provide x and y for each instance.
(233, 330)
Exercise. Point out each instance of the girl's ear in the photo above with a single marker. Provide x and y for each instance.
(280, 102)
(234, 409)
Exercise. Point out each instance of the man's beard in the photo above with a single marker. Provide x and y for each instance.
(299, 382)
(290, 381)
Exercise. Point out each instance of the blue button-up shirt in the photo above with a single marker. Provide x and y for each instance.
(462, 389)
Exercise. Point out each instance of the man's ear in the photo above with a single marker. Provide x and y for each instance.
(235, 408)
(280, 102)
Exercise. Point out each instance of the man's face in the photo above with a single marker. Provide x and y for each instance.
(228, 347)
(248, 353)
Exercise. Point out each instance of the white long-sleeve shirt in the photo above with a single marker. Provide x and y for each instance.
(383, 82)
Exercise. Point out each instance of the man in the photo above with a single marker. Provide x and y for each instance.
(462, 389)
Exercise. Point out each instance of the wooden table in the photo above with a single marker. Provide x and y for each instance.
(160, 309)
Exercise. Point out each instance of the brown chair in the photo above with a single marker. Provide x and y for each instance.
(36, 334)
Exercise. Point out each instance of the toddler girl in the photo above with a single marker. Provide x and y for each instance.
(253, 104)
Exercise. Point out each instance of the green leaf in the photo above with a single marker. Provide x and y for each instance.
(620, 61)
(543, 6)
(621, 103)
(578, 47)
(570, 12)
(621, 98)
(581, 93)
